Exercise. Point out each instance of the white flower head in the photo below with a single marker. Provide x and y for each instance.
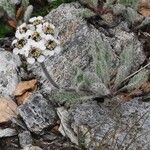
(48, 28)
(19, 43)
(36, 36)
(36, 20)
(36, 41)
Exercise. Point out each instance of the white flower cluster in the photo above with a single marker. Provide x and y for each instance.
(36, 40)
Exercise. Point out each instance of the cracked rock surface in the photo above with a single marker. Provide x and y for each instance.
(8, 73)
(38, 113)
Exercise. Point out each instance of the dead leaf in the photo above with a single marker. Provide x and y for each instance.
(146, 87)
(12, 23)
(25, 86)
(144, 7)
(8, 109)
(23, 98)
(143, 89)
(130, 95)
(24, 90)
(55, 129)
(19, 12)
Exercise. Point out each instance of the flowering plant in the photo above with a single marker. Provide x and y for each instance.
(36, 40)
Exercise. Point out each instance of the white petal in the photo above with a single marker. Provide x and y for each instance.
(52, 26)
(39, 17)
(31, 27)
(57, 41)
(31, 60)
(23, 25)
(16, 51)
(26, 50)
(48, 53)
(45, 23)
(19, 36)
(22, 51)
(26, 53)
(39, 28)
(35, 44)
(43, 35)
(41, 59)
(14, 41)
(30, 42)
(32, 19)
(57, 50)
(41, 45)
(49, 37)
(28, 33)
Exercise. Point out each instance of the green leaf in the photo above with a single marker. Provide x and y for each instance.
(68, 97)
(103, 60)
(127, 57)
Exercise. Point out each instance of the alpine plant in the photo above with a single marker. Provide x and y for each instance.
(36, 40)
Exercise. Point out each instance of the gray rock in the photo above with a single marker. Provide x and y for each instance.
(37, 113)
(145, 24)
(130, 14)
(88, 113)
(118, 9)
(25, 139)
(116, 125)
(134, 120)
(49, 137)
(8, 132)
(8, 73)
(90, 117)
(65, 128)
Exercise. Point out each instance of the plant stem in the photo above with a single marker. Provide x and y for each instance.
(136, 72)
(48, 76)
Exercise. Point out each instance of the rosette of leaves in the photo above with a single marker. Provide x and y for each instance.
(118, 71)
